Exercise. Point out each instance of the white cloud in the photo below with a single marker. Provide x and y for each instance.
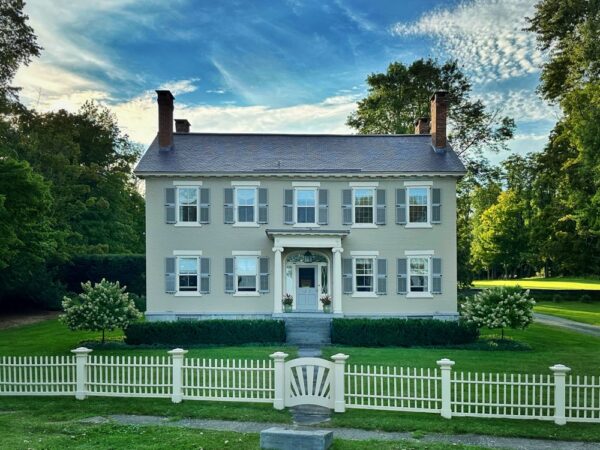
(178, 87)
(486, 36)
(523, 105)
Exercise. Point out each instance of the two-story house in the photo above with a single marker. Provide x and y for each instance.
(235, 221)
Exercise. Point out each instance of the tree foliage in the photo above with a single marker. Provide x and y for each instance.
(105, 306)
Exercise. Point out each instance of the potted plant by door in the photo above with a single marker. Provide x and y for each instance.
(326, 302)
(288, 301)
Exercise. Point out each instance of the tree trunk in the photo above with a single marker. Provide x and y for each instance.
(102, 336)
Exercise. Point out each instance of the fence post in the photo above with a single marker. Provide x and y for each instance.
(81, 372)
(339, 372)
(279, 363)
(177, 356)
(446, 369)
(560, 375)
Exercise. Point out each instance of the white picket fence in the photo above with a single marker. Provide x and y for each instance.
(556, 396)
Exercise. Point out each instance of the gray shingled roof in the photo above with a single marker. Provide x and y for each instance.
(272, 153)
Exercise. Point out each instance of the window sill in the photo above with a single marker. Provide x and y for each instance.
(188, 224)
(419, 295)
(188, 294)
(246, 294)
(306, 225)
(364, 295)
(246, 225)
(418, 225)
(364, 225)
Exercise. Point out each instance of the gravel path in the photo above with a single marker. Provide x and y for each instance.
(579, 327)
(351, 433)
(11, 320)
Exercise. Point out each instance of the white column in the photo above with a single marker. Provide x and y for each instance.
(339, 389)
(277, 281)
(177, 355)
(446, 369)
(81, 359)
(337, 280)
(560, 391)
(279, 363)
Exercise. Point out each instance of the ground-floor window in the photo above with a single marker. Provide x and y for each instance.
(246, 272)
(363, 272)
(187, 274)
(418, 268)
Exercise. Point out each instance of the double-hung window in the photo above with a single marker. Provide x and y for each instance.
(246, 273)
(306, 205)
(245, 204)
(418, 205)
(187, 199)
(363, 273)
(418, 274)
(187, 274)
(363, 203)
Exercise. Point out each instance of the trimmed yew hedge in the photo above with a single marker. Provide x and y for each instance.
(206, 332)
(401, 332)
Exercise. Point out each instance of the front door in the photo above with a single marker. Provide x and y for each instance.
(306, 289)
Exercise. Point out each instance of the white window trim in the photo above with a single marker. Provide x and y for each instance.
(245, 183)
(418, 183)
(364, 184)
(187, 254)
(254, 224)
(187, 183)
(372, 255)
(246, 254)
(316, 207)
(190, 185)
(315, 184)
(428, 254)
(423, 185)
(374, 206)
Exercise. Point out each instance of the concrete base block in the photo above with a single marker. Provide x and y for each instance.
(277, 438)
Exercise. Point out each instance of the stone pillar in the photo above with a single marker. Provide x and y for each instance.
(560, 391)
(279, 362)
(337, 280)
(81, 371)
(446, 369)
(177, 356)
(277, 281)
(339, 388)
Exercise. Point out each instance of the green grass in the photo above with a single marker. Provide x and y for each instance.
(545, 283)
(577, 311)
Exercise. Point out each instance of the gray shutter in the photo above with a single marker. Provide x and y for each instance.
(347, 282)
(436, 205)
(170, 275)
(288, 206)
(263, 207)
(323, 207)
(228, 205)
(204, 213)
(437, 276)
(229, 286)
(264, 274)
(204, 285)
(347, 207)
(382, 276)
(380, 218)
(401, 206)
(402, 275)
(170, 216)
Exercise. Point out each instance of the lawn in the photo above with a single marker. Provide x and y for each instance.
(578, 311)
(544, 283)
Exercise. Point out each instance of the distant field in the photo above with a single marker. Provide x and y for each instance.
(545, 283)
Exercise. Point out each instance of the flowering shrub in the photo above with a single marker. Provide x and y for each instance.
(499, 308)
(287, 300)
(102, 307)
(326, 300)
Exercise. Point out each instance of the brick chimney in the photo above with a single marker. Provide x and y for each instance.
(165, 120)
(422, 125)
(182, 126)
(439, 114)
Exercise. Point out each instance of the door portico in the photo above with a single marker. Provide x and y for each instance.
(326, 241)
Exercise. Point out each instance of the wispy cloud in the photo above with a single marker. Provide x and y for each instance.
(523, 105)
(486, 36)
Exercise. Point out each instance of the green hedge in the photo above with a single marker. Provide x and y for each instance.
(401, 332)
(129, 270)
(196, 332)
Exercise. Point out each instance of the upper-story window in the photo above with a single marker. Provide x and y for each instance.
(187, 198)
(363, 201)
(306, 205)
(245, 205)
(418, 204)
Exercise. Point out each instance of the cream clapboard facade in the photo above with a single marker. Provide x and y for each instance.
(231, 244)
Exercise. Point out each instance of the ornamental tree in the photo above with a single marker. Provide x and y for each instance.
(105, 306)
(499, 308)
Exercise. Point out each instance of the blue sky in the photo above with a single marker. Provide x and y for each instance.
(274, 66)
